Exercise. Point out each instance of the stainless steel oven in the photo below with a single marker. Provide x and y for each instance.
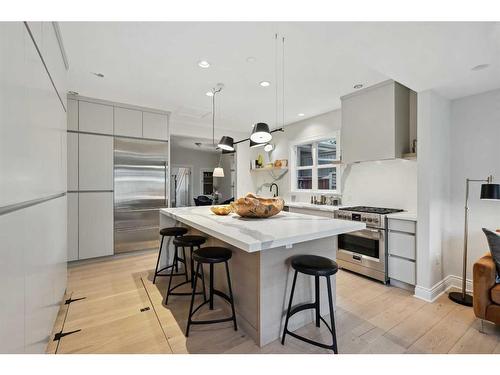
(365, 251)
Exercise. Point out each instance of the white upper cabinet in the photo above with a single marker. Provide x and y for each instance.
(154, 126)
(95, 118)
(375, 123)
(95, 170)
(128, 122)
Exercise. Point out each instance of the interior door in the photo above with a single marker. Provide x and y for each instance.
(181, 186)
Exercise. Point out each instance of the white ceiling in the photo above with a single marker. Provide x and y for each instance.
(155, 64)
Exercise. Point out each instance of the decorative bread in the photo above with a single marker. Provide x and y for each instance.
(223, 209)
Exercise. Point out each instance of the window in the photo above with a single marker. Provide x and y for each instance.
(315, 166)
(207, 182)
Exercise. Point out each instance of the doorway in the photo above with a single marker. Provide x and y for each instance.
(180, 189)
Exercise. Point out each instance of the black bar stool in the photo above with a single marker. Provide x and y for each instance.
(315, 266)
(211, 256)
(169, 232)
(190, 241)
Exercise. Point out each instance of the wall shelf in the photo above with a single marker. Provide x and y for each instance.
(268, 169)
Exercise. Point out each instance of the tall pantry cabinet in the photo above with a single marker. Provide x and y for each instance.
(92, 126)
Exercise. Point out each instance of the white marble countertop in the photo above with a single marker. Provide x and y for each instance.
(252, 235)
(403, 216)
(310, 206)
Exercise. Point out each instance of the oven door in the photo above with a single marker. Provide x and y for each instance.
(364, 248)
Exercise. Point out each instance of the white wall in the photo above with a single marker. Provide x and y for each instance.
(33, 237)
(389, 183)
(200, 160)
(433, 189)
(475, 153)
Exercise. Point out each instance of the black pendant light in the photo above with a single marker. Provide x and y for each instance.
(261, 133)
(226, 143)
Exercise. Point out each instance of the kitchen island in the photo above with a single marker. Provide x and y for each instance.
(260, 270)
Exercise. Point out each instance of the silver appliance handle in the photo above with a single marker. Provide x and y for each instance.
(373, 234)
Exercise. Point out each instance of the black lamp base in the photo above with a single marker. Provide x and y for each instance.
(458, 297)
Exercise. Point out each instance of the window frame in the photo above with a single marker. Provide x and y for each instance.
(315, 166)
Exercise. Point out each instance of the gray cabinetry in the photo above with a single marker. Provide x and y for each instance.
(95, 163)
(95, 224)
(95, 118)
(128, 122)
(402, 250)
(72, 226)
(155, 126)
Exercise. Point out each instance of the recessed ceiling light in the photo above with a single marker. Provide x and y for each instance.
(265, 83)
(209, 93)
(300, 114)
(480, 67)
(203, 64)
(358, 86)
(251, 59)
(100, 75)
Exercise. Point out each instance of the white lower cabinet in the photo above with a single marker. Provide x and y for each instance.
(401, 247)
(95, 223)
(72, 226)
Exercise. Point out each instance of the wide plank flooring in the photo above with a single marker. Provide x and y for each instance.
(123, 312)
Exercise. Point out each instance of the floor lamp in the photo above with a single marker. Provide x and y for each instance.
(489, 191)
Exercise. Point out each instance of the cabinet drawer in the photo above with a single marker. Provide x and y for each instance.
(402, 244)
(407, 226)
(402, 270)
(128, 122)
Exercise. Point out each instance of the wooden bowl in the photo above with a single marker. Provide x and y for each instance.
(257, 207)
(224, 209)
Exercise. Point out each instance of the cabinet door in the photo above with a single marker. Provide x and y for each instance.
(95, 164)
(72, 120)
(128, 122)
(72, 161)
(154, 126)
(72, 226)
(95, 223)
(95, 118)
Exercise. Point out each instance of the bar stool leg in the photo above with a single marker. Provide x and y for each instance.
(289, 308)
(185, 262)
(191, 248)
(203, 284)
(231, 296)
(316, 302)
(211, 287)
(171, 276)
(158, 260)
(332, 316)
(192, 302)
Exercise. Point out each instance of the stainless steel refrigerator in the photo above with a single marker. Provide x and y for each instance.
(140, 185)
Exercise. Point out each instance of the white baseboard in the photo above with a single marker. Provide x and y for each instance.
(450, 281)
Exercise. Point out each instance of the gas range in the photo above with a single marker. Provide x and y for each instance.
(374, 217)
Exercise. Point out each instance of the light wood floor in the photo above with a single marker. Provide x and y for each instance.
(370, 318)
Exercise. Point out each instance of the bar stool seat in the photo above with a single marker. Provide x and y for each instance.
(316, 266)
(186, 241)
(212, 255)
(173, 231)
(190, 240)
(169, 232)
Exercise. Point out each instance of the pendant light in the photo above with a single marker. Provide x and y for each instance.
(255, 145)
(261, 133)
(226, 143)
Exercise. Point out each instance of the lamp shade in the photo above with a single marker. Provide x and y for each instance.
(255, 144)
(261, 133)
(490, 191)
(218, 172)
(226, 143)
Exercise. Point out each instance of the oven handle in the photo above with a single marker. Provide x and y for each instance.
(374, 234)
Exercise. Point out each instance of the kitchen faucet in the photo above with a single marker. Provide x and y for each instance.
(271, 189)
